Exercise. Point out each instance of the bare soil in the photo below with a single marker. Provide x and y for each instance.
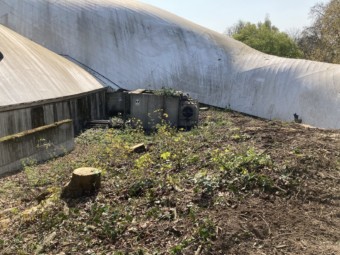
(178, 200)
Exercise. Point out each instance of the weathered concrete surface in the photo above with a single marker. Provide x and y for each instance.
(37, 144)
(136, 45)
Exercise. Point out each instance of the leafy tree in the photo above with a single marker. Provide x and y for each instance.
(321, 41)
(266, 38)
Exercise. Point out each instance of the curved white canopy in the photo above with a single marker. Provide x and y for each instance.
(29, 72)
(139, 46)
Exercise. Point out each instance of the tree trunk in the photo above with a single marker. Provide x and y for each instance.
(85, 181)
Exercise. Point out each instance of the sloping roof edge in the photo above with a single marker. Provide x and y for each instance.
(47, 101)
(30, 72)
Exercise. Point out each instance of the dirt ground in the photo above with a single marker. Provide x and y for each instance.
(298, 214)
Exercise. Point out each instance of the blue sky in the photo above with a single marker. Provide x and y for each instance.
(287, 15)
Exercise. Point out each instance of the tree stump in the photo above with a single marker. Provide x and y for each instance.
(85, 181)
(138, 148)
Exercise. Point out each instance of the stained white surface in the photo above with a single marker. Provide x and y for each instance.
(30, 73)
(139, 46)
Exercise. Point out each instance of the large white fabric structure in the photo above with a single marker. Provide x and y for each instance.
(135, 45)
(30, 73)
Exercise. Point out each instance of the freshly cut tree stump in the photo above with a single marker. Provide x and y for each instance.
(138, 148)
(85, 181)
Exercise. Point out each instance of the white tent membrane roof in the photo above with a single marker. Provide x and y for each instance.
(29, 72)
(140, 46)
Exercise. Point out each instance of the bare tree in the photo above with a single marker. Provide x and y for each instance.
(321, 41)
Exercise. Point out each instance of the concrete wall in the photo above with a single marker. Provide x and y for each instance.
(31, 144)
(80, 109)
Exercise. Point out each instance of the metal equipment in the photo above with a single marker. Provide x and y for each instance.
(149, 108)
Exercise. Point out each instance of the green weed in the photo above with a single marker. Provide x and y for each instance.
(206, 231)
(242, 170)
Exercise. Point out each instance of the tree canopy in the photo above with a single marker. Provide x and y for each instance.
(321, 41)
(266, 38)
